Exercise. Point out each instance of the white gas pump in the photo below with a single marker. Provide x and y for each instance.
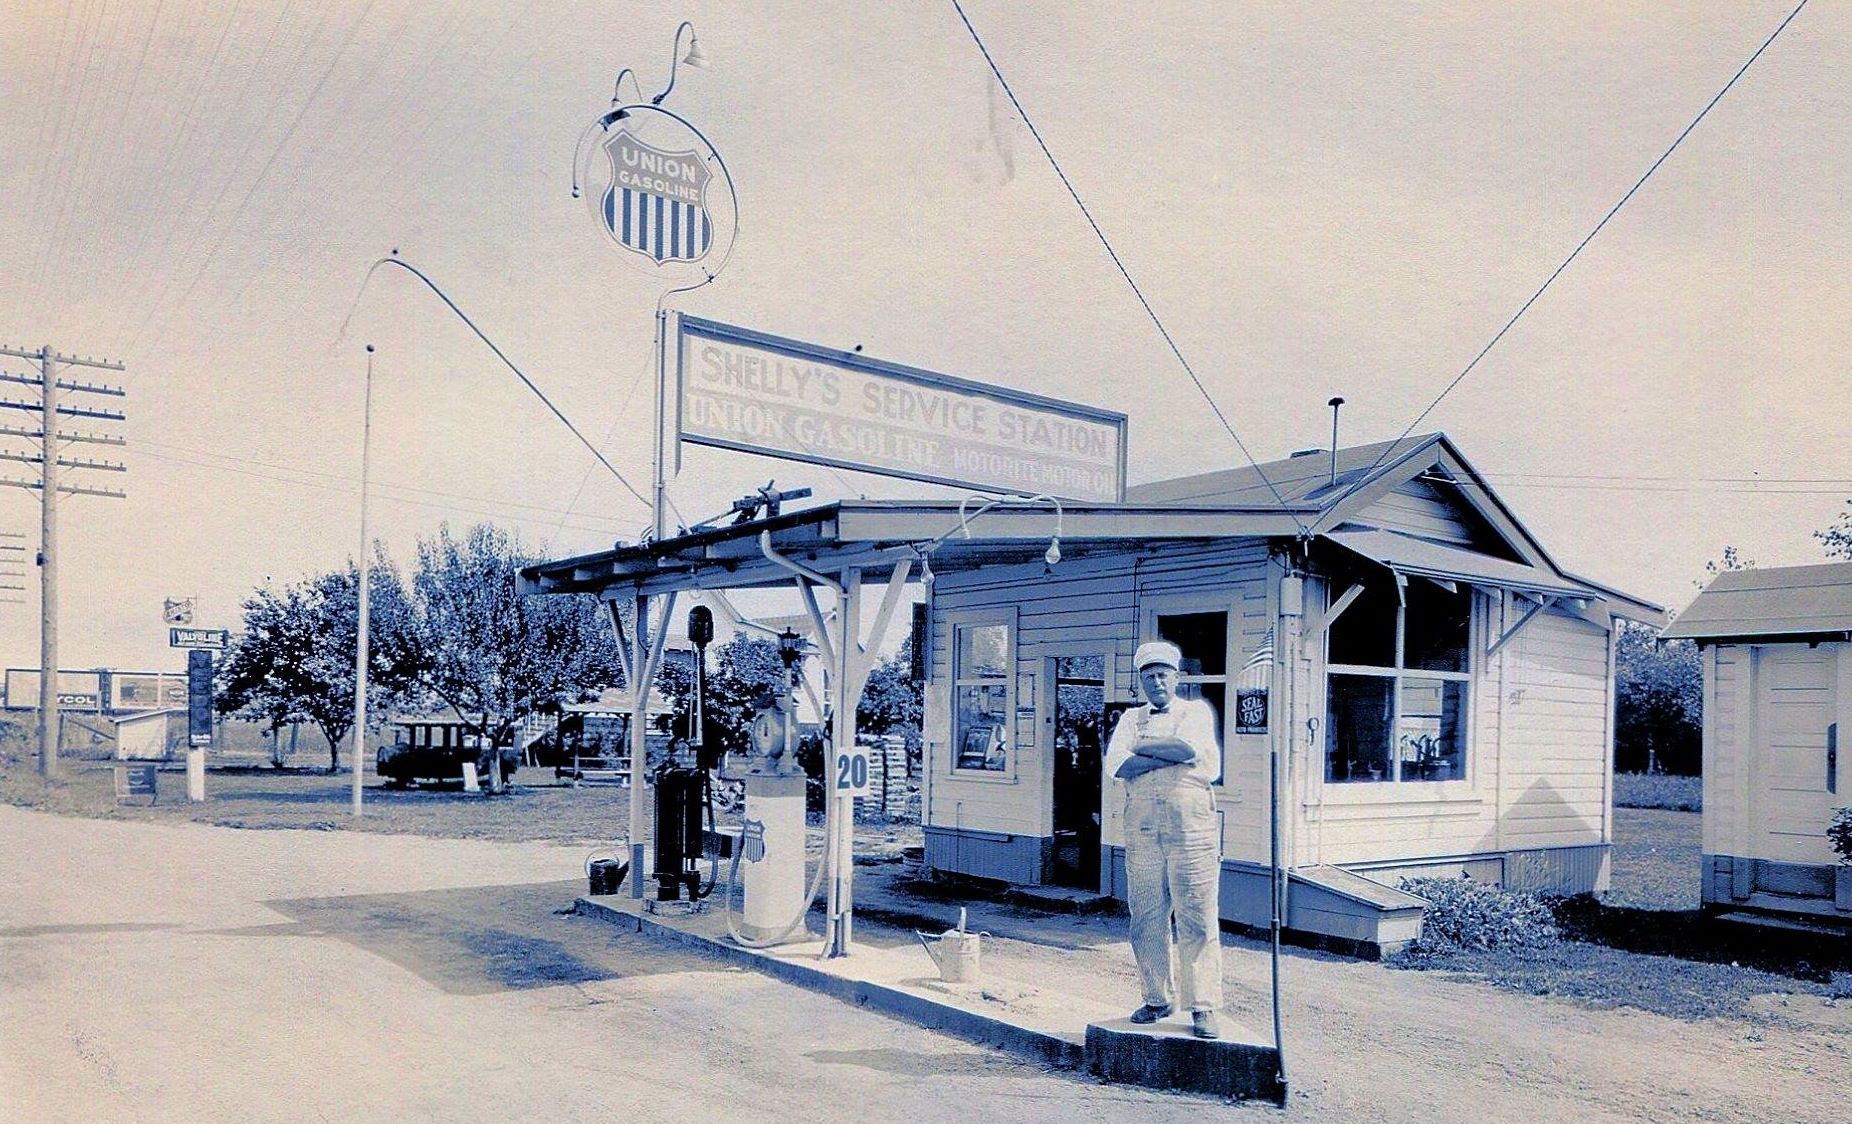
(768, 857)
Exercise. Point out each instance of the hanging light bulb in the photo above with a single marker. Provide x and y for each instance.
(926, 569)
(1054, 552)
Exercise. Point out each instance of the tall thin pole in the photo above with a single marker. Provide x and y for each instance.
(1292, 606)
(639, 738)
(360, 640)
(659, 482)
(48, 571)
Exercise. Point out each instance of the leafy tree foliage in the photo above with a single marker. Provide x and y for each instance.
(1659, 701)
(294, 661)
(1837, 536)
(744, 668)
(891, 701)
(492, 654)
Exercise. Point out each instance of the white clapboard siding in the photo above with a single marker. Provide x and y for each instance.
(1084, 604)
(1556, 753)
(1417, 508)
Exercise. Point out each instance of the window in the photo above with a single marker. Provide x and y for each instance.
(1203, 639)
(981, 660)
(1396, 682)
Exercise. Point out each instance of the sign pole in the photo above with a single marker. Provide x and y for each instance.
(359, 762)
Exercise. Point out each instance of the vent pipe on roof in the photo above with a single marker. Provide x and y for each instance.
(1334, 404)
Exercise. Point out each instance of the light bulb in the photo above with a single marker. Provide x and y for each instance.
(1054, 552)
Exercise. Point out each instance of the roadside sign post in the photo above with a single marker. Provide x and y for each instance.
(198, 718)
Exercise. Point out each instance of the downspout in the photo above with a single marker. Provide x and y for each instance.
(793, 565)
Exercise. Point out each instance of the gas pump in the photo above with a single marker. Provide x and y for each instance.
(772, 840)
(684, 794)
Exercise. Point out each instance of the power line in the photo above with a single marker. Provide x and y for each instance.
(507, 362)
(1120, 265)
(1573, 254)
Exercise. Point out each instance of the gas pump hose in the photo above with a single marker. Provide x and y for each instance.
(810, 896)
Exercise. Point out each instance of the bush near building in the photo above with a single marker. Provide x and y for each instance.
(1653, 790)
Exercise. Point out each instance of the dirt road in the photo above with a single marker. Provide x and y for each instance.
(184, 972)
(188, 973)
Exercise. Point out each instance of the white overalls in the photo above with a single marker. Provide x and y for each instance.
(1173, 854)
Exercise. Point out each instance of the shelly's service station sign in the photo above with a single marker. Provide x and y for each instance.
(745, 390)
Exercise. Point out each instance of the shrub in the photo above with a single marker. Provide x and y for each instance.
(1655, 790)
(1466, 915)
(1840, 832)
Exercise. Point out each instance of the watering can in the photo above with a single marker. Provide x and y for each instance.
(955, 951)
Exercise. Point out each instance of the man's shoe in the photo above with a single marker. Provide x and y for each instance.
(1148, 1014)
(1202, 1025)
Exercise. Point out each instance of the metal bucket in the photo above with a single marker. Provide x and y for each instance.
(604, 876)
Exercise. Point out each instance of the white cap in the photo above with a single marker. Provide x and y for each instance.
(1157, 652)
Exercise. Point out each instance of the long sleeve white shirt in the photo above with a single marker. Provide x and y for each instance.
(1192, 721)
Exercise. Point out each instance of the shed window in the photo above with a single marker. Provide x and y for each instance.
(1396, 683)
(980, 696)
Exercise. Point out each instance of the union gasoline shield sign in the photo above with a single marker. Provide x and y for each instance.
(656, 204)
(658, 190)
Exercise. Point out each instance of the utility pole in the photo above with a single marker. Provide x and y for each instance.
(50, 461)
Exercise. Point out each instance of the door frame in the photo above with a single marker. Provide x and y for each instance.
(1045, 702)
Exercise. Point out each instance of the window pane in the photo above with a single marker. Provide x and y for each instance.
(983, 650)
(1364, 633)
(1357, 716)
(979, 734)
(1081, 669)
(1430, 745)
(1438, 624)
(1203, 638)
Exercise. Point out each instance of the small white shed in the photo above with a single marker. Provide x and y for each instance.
(1777, 647)
(145, 736)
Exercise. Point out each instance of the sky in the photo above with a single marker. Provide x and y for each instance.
(1316, 199)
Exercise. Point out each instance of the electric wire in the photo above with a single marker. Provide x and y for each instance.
(181, 135)
(264, 172)
(1123, 271)
(1573, 254)
(499, 354)
(380, 490)
(85, 259)
(259, 63)
(181, 451)
(60, 149)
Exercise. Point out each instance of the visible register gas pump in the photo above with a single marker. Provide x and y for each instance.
(769, 861)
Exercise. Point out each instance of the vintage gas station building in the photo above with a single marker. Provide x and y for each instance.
(1440, 698)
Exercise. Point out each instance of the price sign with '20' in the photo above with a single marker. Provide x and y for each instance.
(851, 771)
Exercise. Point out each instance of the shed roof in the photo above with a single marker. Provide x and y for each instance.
(1797, 602)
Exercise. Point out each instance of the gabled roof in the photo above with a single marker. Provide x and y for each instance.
(1796, 602)
(1364, 474)
(1304, 478)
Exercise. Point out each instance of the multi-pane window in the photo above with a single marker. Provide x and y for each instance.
(1396, 683)
(980, 696)
(1203, 639)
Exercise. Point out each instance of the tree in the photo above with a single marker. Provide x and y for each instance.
(294, 661)
(1730, 561)
(1659, 703)
(891, 701)
(746, 667)
(493, 655)
(1837, 536)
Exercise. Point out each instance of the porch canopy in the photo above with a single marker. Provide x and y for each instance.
(874, 535)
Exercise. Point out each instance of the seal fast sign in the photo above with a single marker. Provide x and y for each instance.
(656, 201)
(745, 390)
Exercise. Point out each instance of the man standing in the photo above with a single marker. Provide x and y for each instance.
(1168, 754)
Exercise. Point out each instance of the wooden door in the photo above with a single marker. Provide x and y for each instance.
(1790, 801)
